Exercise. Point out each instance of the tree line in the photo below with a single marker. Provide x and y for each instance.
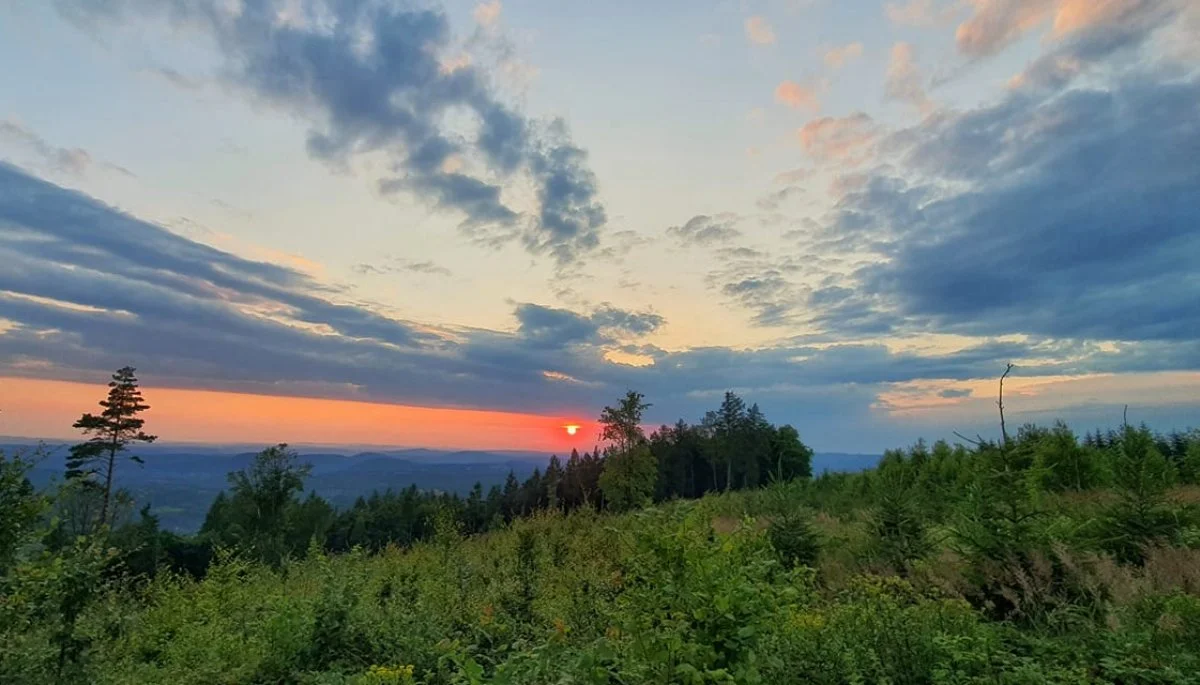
(265, 513)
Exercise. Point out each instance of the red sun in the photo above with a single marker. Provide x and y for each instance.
(571, 428)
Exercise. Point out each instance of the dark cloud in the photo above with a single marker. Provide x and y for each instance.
(761, 283)
(370, 77)
(627, 322)
(702, 230)
(1069, 215)
(551, 327)
(950, 393)
(769, 294)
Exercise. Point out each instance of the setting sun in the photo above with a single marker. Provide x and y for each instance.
(572, 428)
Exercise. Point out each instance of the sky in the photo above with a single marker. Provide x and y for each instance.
(465, 224)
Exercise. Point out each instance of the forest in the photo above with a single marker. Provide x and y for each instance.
(697, 553)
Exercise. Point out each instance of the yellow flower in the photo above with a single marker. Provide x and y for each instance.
(388, 675)
(809, 620)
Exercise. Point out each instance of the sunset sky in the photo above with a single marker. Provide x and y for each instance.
(469, 224)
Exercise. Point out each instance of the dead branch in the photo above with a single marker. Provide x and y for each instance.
(1000, 403)
(977, 441)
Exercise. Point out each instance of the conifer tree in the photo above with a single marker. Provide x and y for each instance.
(111, 431)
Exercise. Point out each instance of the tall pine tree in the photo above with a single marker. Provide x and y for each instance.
(111, 431)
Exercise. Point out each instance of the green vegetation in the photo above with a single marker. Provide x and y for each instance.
(698, 554)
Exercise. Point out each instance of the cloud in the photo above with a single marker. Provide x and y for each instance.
(761, 283)
(74, 161)
(702, 230)
(759, 31)
(370, 79)
(177, 78)
(951, 393)
(996, 23)
(487, 14)
(795, 175)
(400, 265)
(626, 323)
(923, 13)
(772, 201)
(838, 57)
(769, 294)
(1062, 215)
(797, 96)
(904, 82)
(839, 139)
(621, 244)
(88, 288)
(1107, 33)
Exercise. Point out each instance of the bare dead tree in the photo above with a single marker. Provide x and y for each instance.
(1000, 403)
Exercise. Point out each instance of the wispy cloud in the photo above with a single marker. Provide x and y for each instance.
(487, 14)
(395, 265)
(840, 56)
(924, 13)
(703, 230)
(844, 140)
(759, 31)
(74, 161)
(904, 82)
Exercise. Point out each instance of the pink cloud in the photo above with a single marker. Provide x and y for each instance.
(839, 139)
(1073, 15)
(759, 31)
(996, 23)
(904, 82)
(487, 13)
(838, 57)
(797, 96)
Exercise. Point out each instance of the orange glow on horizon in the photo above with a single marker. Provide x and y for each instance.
(48, 408)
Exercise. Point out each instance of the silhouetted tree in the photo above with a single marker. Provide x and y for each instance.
(111, 431)
(622, 424)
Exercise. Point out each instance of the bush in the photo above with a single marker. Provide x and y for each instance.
(794, 540)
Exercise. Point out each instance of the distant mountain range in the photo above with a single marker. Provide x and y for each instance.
(179, 482)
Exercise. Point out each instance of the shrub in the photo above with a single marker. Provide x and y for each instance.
(794, 540)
